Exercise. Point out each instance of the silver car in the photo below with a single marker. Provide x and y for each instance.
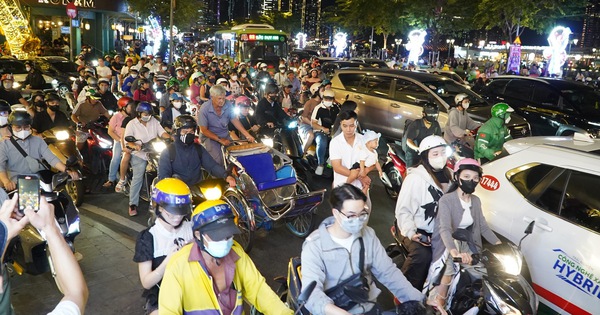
(387, 99)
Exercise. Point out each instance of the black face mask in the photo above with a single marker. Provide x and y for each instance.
(54, 108)
(431, 118)
(212, 81)
(188, 138)
(467, 186)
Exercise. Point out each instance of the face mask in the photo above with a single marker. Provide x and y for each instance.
(23, 134)
(244, 75)
(7, 85)
(164, 68)
(465, 105)
(431, 118)
(54, 108)
(437, 163)
(234, 78)
(328, 103)
(177, 105)
(104, 88)
(134, 75)
(146, 118)
(3, 121)
(28, 69)
(218, 249)
(353, 225)
(187, 138)
(212, 81)
(467, 186)
(507, 120)
(282, 71)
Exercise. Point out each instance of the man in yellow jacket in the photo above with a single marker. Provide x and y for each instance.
(213, 275)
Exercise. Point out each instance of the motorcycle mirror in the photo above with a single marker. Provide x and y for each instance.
(130, 139)
(306, 292)
(59, 178)
(71, 161)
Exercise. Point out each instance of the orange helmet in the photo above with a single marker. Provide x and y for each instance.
(7, 76)
(123, 101)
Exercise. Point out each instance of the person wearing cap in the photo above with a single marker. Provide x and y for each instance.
(246, 83)
(323, 117)
(125, 71)
(66, 270)
(171, 204)
(459, 127)
(107, 98)
(248, 121)
(128, 81)
(280, 76)
(35, 79)
(116, 127)
(342, 245)
(210, 81)
(14, 163)
(8, 93)
(80, 61)
(80, 82)
(92, 83)
(131, 54)
(90, 110)
(103, 71)
(144, 92)
(195, 92)
(141, 64)
(417, 207)
(213, 274)
(51, 117)
(224, 83)
(493, 133)
(293, 80)
(158, 66)
(287, 99)
(175, 109)
(234, 85)
(368, 158)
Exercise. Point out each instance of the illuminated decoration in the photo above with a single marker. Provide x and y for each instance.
(416, 39)
(263, 37)
(514, 56)
(301, 40)
(340, 43)
(556, 53)
(227, 36)
(16, 29)
(153, 31)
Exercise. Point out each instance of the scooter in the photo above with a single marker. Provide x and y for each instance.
(394, 170)
(28, 252)
(153, 149)
(495, 286)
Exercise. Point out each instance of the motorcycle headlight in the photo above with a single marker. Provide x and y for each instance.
(54, 82)
(159, 146)
(158, 95)
(62, 135)
(110, 112)
(16, 85)
(253, 74)
(188, 93)
(95, 63)
(104, 144)
(292, 124)
(265, 80)
(511, 261)
(236, 111)
(268, 142)
(212, 193)
(73, 78)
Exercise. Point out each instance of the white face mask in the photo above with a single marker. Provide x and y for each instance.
(328, 103)
(23, 134)
(353, 225)
(437, 163)
(164, 68)
(465, 105)
(134, 75)
(507, 120)
(28, 69)
(3, 121)
(234, 78)
(7, 85)
(177, 104)
(146, 118)
(282, 70)
(244, 75)
(218, 249)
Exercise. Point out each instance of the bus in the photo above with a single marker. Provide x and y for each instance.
(252, 43)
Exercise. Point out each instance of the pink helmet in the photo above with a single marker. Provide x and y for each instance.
(243, 100)
(467, 164)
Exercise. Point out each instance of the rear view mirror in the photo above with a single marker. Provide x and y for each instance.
(58, 179)
(130, 139)
(529, 228)
(71, 161)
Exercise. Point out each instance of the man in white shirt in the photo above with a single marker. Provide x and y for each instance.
(103, 71)
(344, 150)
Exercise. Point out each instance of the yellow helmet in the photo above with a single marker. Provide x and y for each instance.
(215, 218)
(173, 195)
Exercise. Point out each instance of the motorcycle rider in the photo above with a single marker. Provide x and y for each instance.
(156, 245)
(172, 87)
(90, 110)
(305, 127)
(458, 209)
(184, 84)
(185, 159)
(115, 131)
(107, 98)
(128, 82)
(419, 130)
(4, 113)
(35, 79)
(243, 103)
(176, 108)
(493, 133)
(269, 113)
(51, 117)
(263, 76)
(460, 125)
(332, 255)
(22, 153)
(145, 128)
(8, 93)
(92, 83)
(223, 273)
(144, 92)
(323, 117)
(417, 207)
(214, 117)
(130, 114)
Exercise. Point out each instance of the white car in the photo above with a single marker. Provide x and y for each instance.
(554, 181)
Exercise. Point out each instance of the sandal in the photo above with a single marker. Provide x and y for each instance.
(108, 184)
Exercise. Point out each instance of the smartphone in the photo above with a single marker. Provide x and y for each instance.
(29, 192)
(424, 239)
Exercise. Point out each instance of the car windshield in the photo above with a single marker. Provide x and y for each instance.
(448, 89)
(585, 100)
(65, 66)
(14, 67)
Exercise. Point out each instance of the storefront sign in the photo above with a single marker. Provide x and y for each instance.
(71, 10)
(106, 5)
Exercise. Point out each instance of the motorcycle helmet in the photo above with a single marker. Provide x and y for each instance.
(4, 106)
(222, 80)
(184, 121)
(7, 76)
(243, 101)
(459, 98)
(93, 94)
(314, 89)
(92, 81)
(501, 110)
(431, 142)
(175, 97)
(328, 93)
(431, 111)
(51, 97)
(173, 195)
(271, 89)
(172, 83)
(215, 218)
(144, 107)
(467, 164)
(124, 101)
(19, 118)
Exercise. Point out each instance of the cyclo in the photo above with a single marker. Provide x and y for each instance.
(267, 190)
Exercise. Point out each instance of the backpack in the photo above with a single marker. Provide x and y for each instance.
(173, 151)
(406, 125)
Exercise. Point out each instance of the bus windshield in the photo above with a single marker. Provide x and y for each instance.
(255, 50)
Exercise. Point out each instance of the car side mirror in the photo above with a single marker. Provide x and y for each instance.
(529, 228)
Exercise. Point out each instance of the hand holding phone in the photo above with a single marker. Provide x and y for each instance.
(29, 192)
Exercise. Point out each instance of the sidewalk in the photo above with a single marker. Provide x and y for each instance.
(108, 268)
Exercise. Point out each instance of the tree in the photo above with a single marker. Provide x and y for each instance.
(513, 16)
(284, 21)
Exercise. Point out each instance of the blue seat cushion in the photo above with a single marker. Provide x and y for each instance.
(260, 167)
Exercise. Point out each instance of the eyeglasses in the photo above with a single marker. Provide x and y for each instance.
(362, 216)
(19, 128)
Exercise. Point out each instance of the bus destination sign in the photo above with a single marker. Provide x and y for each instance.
(262, 37)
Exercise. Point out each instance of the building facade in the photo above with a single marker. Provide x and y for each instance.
(590, 37)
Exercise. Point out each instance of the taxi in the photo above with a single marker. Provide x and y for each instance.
(554, 181)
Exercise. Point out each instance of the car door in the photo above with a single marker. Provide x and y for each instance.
(376, 100)
(543, 112)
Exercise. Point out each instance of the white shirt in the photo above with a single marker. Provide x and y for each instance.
(164, 240)
(467, 218)
(344, 242)
(152, 130)
(103, 72)
(370, 157)
(339, 149)
(66, 307)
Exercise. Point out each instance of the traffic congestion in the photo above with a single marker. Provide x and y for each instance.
(492, 177)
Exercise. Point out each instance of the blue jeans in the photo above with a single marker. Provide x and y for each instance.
(139, 169)
(113, 169)
(322, 141)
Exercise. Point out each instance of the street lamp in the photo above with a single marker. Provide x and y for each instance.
(398, 43)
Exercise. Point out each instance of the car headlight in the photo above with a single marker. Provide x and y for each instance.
(159, 146)
(268, 142)
(62, 135)
(292, 124)
(73, 78)
(16, 85)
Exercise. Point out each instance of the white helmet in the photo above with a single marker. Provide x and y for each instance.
(314, 88)
(431, 142)
(459, 98)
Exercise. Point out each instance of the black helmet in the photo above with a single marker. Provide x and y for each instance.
(51, 97)
(184, 121)
(29, 63)
(431, 111)
(4, 106)
(19, 118)
(271, 89)
(33, 96)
